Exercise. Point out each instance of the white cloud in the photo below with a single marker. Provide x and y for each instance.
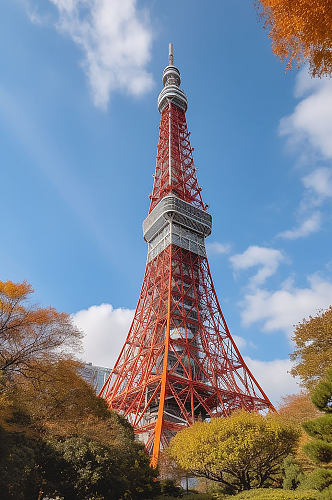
(309, 131)
(105, 331)
(311, 225)
(320, 182)
(216, 248)
(273, 377)
(115, 37)
(283, 308)
(268, 259)
(240, 342)
(310, 124)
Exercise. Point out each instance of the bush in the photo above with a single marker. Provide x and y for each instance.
(292, 472)
(224, 447)
(191, 496)
(168, 488)
(326, 494)
(271, 494)
(318, 480)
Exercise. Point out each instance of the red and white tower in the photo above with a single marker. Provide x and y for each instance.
(179, 362)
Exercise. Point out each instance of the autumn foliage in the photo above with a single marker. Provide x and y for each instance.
(242, 451)
(313, 348)
(295, 408)
(57, 438)
(300, 31)
(30, 335)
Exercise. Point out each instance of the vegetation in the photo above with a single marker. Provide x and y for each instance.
(292, 473)
(243, 451)
(56, 437)
(313, 347)
(295, 409)
(300, 32)
(30, 336)
(271, 494)
(319, 448)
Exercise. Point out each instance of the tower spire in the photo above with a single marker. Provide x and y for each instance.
(170, 55)
(179, 363)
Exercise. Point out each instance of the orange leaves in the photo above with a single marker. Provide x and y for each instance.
(15, 291)
(29, 334)
(300, 32)
(46, 316)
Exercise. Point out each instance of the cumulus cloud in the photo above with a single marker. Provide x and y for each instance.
(283, 308)
(267, 259)
(274, 378)
(105, 331)
(308, 130)
(115, 38)
(240, 341)
(311, 225)
(217, 248)
(310, 124)
(320, 182)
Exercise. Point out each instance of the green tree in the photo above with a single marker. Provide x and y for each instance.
(319, 448)
(56, 436)
(67, 442)
(292, 473)
(313, 348)
(242, 451)
(27, 466)
(74, 467)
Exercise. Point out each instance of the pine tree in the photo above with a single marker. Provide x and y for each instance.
(319, 449)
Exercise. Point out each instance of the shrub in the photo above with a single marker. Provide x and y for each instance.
(225, 447)
(318, 480)
(326, 494)
(271, 494)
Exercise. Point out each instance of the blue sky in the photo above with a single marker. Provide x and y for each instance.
(78, 135)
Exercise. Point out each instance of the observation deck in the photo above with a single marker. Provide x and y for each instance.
(174, 221)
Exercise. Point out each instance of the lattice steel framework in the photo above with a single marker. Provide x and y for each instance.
(179, 362)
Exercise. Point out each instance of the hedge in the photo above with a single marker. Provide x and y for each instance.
(270, 494)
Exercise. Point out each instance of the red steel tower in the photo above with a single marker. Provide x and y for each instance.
(179, 362)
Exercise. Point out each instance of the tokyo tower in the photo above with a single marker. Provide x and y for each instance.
(179, 363)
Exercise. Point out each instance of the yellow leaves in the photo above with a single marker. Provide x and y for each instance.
(313, 347)
(15, 290)
(243, 441)
(300, 32)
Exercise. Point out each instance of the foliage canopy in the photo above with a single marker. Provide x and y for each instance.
(300, 32)
(313, 347)
(30, 335)
(57, 438)
(242, 451)
(319, 449)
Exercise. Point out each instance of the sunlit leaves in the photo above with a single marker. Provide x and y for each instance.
(30, 335)
(241, 451)
(300, 32)
(313, 347)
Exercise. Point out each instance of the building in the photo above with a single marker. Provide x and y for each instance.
(95, 375)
